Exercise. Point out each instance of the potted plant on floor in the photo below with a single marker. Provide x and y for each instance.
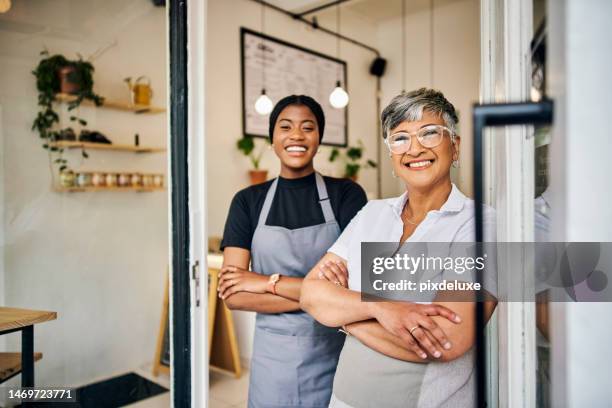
(57, 74)
(352, 159)
(247, 146)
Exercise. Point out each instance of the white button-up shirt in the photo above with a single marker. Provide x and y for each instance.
(380, 221)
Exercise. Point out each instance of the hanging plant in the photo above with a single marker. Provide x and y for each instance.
(57, 74)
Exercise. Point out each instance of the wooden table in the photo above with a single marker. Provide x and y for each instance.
(23, 320)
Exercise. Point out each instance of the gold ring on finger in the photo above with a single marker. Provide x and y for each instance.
(413, 329)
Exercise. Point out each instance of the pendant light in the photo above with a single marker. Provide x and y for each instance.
(5, 6)
(263, 104)
(338, 98)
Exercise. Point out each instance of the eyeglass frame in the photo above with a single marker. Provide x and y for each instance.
(444, 128)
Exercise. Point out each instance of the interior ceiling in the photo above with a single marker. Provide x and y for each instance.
(373, 10)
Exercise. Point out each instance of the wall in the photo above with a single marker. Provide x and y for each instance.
(98, 259)
(450, 62)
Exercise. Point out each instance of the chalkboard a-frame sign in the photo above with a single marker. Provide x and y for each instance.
(289, 69)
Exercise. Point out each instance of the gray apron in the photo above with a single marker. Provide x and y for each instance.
(294, 357)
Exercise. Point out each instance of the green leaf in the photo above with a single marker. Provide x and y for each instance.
(246, 145)
(84, 154)
(372, 164)
(352, 169)
(354, 153)
(334, 154)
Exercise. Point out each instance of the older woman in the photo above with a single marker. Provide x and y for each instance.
(401, 354)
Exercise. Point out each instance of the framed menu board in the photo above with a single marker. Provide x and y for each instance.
(288, 69)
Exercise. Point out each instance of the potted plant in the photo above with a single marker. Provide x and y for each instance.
(247, 146)
(352, 159)
(57, 74)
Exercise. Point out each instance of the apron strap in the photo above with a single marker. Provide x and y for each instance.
(265, 210)
(328, 213)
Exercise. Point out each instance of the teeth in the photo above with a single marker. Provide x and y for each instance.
(296, 149)
(419, 164)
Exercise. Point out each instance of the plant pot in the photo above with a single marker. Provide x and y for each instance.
(258, 176)
(67, 83)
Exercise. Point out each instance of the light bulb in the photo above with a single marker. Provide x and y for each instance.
(263, 104)
(338, 98)
(5, 5)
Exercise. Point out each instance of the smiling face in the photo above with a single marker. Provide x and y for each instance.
(420, 167)
(296, 140)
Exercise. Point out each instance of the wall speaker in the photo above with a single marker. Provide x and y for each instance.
(377, 68)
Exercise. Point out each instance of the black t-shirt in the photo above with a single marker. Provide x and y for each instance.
(295, 205)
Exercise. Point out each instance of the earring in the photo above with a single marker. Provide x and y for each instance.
(456, 163)
(393, 174)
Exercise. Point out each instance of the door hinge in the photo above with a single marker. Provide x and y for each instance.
(195, 275)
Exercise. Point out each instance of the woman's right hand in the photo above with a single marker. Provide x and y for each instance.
(335, 272)
(412, 323)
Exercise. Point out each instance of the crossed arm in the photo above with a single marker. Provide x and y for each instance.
(242, 289)
(445, 329)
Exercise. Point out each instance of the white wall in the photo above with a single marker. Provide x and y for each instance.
(97, 259)
(454, 68)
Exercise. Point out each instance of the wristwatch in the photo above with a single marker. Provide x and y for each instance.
(272, 283)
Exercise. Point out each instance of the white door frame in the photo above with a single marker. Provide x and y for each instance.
(506, 31)
(196, 45)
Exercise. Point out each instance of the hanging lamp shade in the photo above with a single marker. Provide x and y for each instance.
(263, 104)
(338, 98)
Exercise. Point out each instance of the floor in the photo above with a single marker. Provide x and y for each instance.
(225, 391)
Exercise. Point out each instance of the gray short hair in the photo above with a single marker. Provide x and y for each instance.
(409, 106)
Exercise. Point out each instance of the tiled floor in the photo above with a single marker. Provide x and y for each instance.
(225, 391)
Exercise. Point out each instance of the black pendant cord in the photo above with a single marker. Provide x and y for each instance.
(433, 44)
(338, 39)
(403, 46)
(263, 47)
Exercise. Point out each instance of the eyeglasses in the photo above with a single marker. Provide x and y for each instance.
(428, 136)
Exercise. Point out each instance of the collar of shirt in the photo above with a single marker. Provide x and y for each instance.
(454, 203)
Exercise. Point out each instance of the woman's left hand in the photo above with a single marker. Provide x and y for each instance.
(233, 279)
(335, 272)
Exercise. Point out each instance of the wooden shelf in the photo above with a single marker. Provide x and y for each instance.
(14, 318)
(110, 104)
(10, 364)
(65, 144)
(106, 188)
